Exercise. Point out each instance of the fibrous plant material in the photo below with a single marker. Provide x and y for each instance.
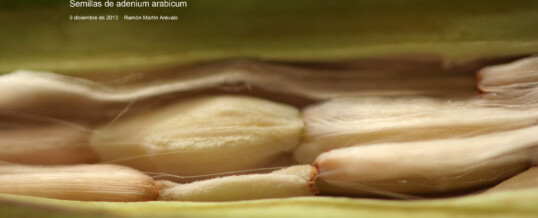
(204, 135)
(430, 167)
(54, 96)
(525, 180)
(514, 84)
(522, 71)
(101, 182)
(45, 145)
(288, 182)
(344, 122)
(294, 83)
(32, 139)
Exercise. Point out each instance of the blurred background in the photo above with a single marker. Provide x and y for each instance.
(38, 35)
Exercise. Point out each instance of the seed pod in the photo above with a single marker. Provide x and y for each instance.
(429, 167)
(524, 180)
(202, 136)
(100, 182)
(289, 182)
(344, 122)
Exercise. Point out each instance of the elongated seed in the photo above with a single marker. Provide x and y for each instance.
(429, 167)
(100, 182)
(289, 182)
(204, 135)
(347, 122)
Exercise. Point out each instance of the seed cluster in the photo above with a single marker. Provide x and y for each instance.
(165, 142)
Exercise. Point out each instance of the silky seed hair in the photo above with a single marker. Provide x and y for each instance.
(513, 84)
(291, 181)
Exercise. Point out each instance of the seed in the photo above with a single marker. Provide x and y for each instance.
(203, 135)
(430, 167)
(100, 182)
(289, 182)
(344, 122)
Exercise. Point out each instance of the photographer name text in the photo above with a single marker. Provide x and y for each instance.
(124, 17)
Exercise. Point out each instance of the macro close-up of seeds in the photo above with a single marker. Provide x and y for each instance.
(215, 147)
(404, 108)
